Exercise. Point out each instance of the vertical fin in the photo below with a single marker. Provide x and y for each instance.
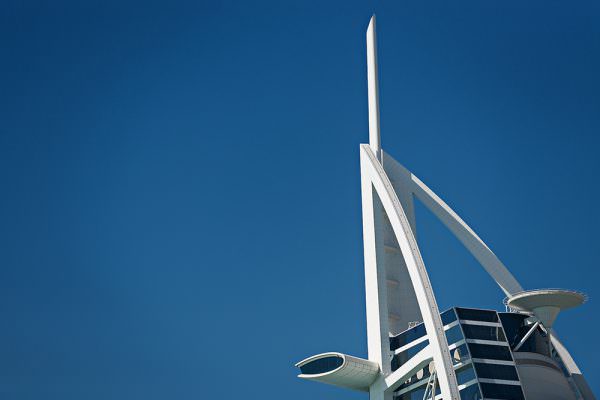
(373, 89)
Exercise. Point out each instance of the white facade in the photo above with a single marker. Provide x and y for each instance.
(398, 289)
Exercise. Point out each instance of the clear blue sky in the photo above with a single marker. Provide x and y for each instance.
(180, 211)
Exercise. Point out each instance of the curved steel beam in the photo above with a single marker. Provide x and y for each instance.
(477, 247)
(462, 231)
(375, 178)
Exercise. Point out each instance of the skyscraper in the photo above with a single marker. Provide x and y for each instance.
(414, 350)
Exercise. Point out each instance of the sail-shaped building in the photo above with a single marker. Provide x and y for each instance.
(416, 351)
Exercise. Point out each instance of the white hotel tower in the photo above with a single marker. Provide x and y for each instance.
(416, 351)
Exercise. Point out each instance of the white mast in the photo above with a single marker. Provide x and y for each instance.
(373, 88)
(398, 290)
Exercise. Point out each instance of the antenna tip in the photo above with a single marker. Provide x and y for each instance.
(371, 27)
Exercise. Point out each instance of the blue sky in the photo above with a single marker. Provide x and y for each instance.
(180, 210)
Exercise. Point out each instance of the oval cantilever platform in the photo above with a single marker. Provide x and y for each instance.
(545, 304)
(340, 370)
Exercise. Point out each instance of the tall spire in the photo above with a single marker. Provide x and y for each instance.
(373, 89)
(398, 292)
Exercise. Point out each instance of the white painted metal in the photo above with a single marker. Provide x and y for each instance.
(403, 308)
(545, 304)
(397, 285)
(375, 280)
(488, 361)
(384, 386)
(488, 260)
(430, 387)
(574, 370)
(376, 183)
(401, 179)
(373, 88)
(458, 227)
(354, 373)
(541, 378)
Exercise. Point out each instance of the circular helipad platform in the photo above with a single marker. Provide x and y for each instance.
(545, 304)
(532, 299)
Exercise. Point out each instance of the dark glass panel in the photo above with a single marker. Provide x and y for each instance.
(490, 351)
(537, 343)
(496, 371)
(516, 328)
(497, 391)
(460, 354)
(477, 315)
(484, 332)
(407, 336)
(470, 393)
(465, 375)
(454, 334)
(448, 316)
(421, 375)
(513, 326)
(407, 354)
(322, 365)
(414, 395)
(394, 343)
(529, 345)
(417, 394)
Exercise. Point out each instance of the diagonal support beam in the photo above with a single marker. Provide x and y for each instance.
(398, 377)
(527, 335)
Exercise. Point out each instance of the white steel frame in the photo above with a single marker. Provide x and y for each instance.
(388, 190)
(398, 289)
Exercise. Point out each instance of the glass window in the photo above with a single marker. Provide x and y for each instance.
(490, 351)
(417, 394)
(496, 371)
(515, 328)
(512, 323)
(484, 332)
(407, 354)
(460, 354)
(529, 345)
(497, 391)
(421, 375)
(407, 336)
(448, 316)
(414, 395)
(322, 365)
(465, 375)
(477, 315)
(470, 393)
(454, 334)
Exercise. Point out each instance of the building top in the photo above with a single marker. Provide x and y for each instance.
(460, 353)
